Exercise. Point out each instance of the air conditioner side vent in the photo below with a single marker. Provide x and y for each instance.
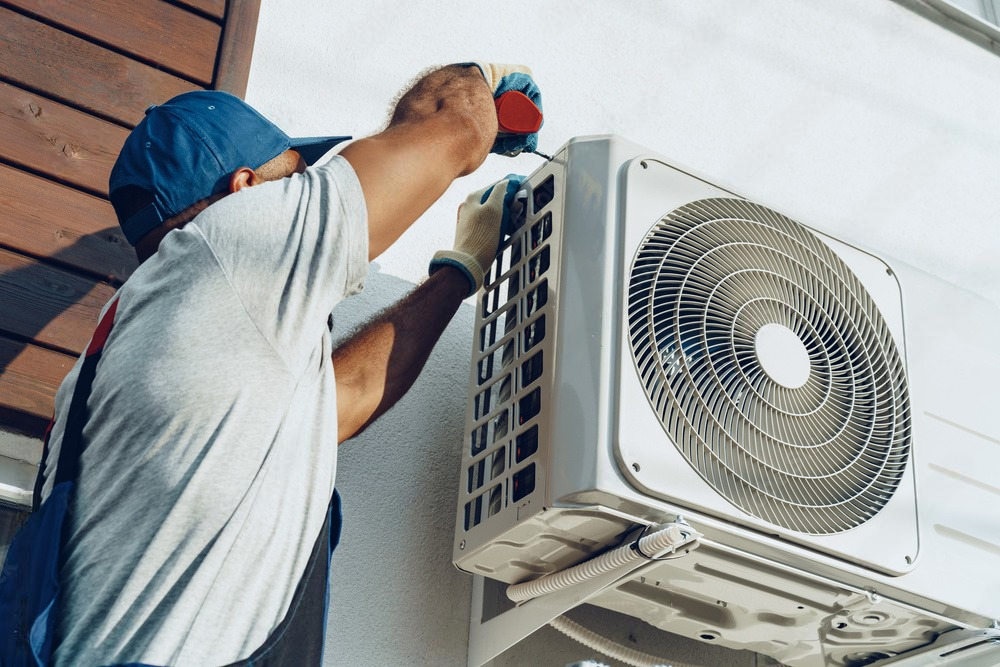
(511, 358)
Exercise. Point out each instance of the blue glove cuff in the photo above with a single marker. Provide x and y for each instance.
(445, 261)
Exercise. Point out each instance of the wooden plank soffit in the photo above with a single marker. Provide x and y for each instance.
(31, 376)
(236, 48)
(58, 141)
(40, 57)
(41, 218)
(48, 305)
(158, 32)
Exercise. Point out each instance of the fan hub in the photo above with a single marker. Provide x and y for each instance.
(782, 355)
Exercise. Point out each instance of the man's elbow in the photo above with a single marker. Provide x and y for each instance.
(473, 138)
(455, 107)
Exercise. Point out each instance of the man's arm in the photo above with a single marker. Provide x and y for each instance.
(441, 129)
(377, 365)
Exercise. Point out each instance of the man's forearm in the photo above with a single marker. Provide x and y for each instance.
(376, 366)
(442, 128)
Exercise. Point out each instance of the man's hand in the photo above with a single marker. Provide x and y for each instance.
(503, 79)
(482, 221)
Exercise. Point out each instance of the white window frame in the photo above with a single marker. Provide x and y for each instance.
(982, 25)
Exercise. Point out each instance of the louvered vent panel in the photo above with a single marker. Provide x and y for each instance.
(511, 321)
(769, 366)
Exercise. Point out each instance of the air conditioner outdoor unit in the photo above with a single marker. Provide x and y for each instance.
(651, 345)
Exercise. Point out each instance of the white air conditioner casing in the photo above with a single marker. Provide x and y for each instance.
(852, 530)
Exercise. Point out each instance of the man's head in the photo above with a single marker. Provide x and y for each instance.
(197, 146)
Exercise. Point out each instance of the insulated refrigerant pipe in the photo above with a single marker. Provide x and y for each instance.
(664, 543)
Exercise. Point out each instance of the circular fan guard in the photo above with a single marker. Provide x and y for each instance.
(819, 458)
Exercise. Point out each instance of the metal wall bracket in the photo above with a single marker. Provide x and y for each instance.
(958, 648)
(495, 624)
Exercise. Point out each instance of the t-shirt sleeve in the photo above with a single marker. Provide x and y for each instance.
(292, 249)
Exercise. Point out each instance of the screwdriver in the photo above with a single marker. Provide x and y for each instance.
(517, 114)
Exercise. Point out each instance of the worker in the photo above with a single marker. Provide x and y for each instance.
(203, 514)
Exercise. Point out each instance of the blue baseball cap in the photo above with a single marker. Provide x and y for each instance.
(185, 149)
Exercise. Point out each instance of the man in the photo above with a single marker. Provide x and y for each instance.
(196, 533)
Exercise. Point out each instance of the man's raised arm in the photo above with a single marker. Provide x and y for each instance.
(377, 365)
(442, 128)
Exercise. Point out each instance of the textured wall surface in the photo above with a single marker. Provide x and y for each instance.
(857, 116)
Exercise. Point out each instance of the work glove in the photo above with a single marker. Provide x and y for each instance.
(484, 219)
(502, 79)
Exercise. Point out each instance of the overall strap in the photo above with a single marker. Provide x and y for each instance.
(68, 464)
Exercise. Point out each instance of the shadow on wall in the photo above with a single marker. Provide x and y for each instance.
(395, 597)
(34, 297)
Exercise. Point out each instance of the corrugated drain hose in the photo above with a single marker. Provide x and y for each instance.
(610, 648)
(669, 541)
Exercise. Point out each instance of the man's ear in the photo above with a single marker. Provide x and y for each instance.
(244, 177)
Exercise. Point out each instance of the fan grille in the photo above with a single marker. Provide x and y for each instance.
(819, 455)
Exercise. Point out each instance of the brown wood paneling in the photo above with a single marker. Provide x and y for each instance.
(49, 305)
(216, 8)
(56, 140)
(70, 84)
(46, 219)
(152, 30)
(236, 48)
(40, 57)
(31, 375)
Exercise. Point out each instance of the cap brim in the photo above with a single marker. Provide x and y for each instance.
(313, 148)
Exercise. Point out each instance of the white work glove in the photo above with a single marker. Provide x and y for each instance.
(484, 220)
(495, 73)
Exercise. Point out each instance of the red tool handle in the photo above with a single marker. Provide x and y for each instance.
(517, 114)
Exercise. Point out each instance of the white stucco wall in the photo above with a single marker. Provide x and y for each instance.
(856, 115)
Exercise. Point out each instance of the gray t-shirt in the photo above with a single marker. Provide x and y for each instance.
(212, 437)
